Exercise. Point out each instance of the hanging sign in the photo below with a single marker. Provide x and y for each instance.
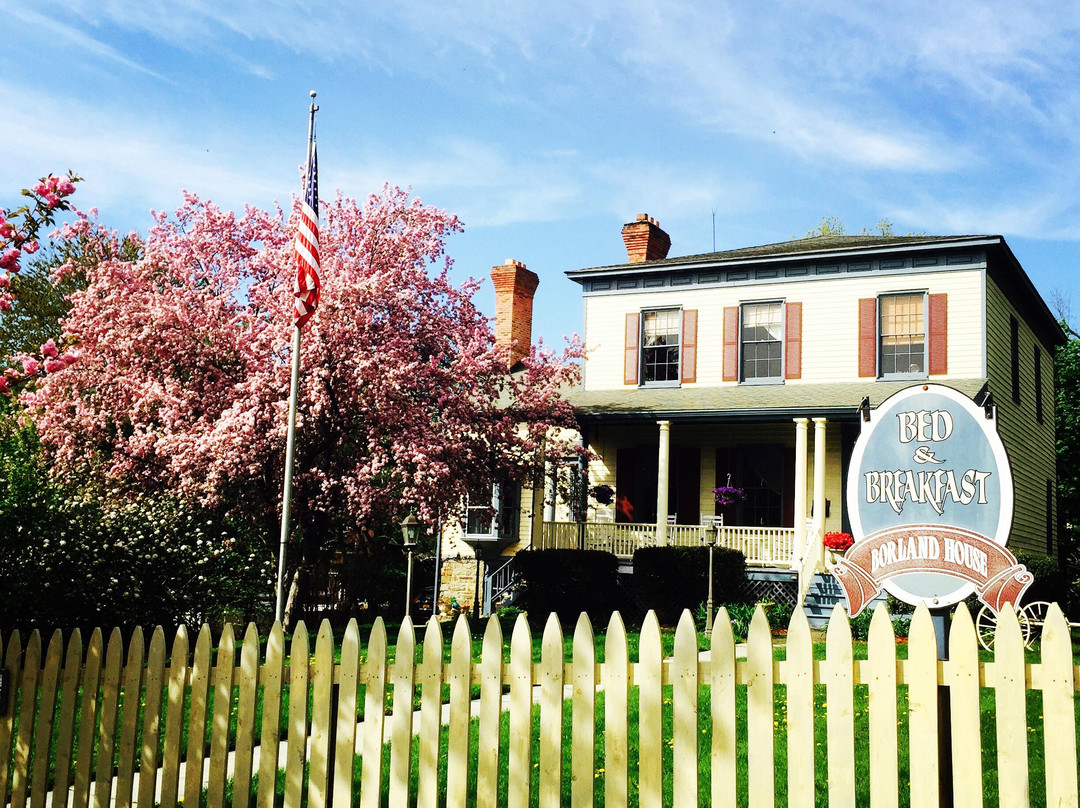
(930, 498)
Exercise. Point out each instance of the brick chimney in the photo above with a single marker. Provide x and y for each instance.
(514, 289)
(644, 240)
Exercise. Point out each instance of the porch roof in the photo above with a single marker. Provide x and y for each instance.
(744, 402)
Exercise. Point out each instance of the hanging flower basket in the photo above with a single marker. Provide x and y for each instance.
(838, 542)
(728, 495)
(603, 494)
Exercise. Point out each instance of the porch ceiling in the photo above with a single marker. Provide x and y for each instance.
(744, 402)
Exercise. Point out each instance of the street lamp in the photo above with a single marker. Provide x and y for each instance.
(710, 539)
(410, 529)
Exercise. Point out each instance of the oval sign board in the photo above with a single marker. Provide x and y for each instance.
(930, 498)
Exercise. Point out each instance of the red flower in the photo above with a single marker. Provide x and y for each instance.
(838, 542)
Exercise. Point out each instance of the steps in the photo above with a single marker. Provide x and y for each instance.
(824, 593)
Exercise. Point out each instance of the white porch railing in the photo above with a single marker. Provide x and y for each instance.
(771, 546)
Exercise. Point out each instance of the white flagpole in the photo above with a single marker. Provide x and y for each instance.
(290, 442)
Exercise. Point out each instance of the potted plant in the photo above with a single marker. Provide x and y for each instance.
(837, 543)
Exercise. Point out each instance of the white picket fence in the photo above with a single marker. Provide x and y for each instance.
(683, 730)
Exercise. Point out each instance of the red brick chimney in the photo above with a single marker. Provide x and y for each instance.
(644, 240)
(514, 289)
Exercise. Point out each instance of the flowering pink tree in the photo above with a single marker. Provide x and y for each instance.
(19, 227)
(177, 373)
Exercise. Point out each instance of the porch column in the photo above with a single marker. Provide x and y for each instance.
(662, 482)
(819, 490)
(800, 489)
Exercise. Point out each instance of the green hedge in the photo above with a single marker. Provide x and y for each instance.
(1051, 583)
(568, 582)
(670, 579)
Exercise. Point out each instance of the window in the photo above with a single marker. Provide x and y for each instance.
(1038, 385)
(902, 332)
(494, 515)
(660, 346)
(762, 342)
(1014, 356)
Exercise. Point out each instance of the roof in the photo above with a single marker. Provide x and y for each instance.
(742, 402)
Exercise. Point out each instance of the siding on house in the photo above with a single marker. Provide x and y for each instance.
(830, 322)
(1030, 445)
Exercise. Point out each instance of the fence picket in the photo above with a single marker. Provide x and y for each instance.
(151, 731)
(322, 685)
(759, 713)
(963, 682)
(374, 699)
(487, 752)
(43, 731)
(648, 676)
(110, 703)
(1011, 705)
(519, 746)
(722, 707)
(684, 709)
(65, 735)
(174, 720)
(131, 685)
(583, 715)
(346, 718)
(196, 746)
(247, 682)
(430, 680)
(921, 675)
(28, 683)
(13, 663)
(881, 702)
(840, 714)
(460, 679)
(401, 677)
(615, 676)
(219, 724)
(84, 754)
(798, 674)
(1059, 711)
(296, 747)
(550, 676)
(273, 676)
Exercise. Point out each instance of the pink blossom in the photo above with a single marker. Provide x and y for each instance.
(51, 199)
(65, 187)
(30, 247)
(41, 188)
(5, 301)
(50, 350)
(30, 365)
(4, 389)
(70, 357)
(53, 365)
(9, 259)
(5, 281)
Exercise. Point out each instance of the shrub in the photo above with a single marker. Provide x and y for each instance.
(568, 582)
(671, 579)
(1051, 583)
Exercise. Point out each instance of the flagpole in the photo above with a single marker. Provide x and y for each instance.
(290, 441)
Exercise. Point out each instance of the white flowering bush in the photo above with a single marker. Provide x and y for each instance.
(98, 558)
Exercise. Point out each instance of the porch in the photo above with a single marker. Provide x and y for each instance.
(762, 546)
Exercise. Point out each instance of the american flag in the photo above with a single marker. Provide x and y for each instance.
(307, 286)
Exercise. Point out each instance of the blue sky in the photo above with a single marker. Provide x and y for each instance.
(547, 126)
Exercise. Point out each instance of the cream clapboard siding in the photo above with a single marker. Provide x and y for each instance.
(570, 719)
(830, 323)
(1030, 445)
(710, 437)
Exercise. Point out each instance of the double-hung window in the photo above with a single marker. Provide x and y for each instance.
(494, 513)
(761, 337)
(660, 341)
(904, 335)
(902, 330)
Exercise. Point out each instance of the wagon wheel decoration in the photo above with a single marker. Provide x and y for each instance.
(1031, 617)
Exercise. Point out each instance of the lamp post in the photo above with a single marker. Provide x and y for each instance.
(710, 539)
(410, 528)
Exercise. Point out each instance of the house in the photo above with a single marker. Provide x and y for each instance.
(749, 368)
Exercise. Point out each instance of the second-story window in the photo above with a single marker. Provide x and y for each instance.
(660, 346)
(762, 342)
(902, 332)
